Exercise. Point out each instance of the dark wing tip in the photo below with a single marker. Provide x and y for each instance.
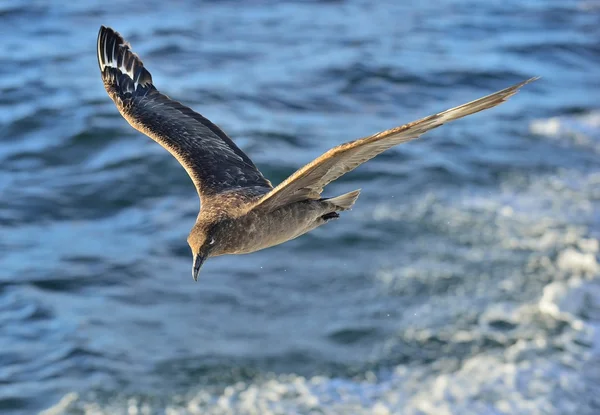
(121, 69)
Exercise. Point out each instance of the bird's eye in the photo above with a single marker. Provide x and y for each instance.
(212, 241)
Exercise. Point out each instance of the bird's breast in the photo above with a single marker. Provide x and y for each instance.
(259, 230)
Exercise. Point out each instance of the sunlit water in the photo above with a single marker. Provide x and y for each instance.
(465, 280)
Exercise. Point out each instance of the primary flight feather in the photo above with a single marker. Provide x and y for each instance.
(240, 211)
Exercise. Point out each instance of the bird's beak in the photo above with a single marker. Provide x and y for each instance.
(198, 261)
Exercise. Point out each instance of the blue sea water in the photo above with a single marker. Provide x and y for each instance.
(465, 281)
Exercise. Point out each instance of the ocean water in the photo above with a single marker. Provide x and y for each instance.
(465, 281)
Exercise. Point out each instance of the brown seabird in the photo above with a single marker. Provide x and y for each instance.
(241, 212)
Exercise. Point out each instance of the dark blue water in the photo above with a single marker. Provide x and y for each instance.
(465, 281)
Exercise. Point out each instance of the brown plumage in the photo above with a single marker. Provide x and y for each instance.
(241, 212)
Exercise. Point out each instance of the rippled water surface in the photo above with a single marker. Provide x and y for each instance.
(465, 281)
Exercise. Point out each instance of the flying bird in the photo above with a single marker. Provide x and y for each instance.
(241, 211)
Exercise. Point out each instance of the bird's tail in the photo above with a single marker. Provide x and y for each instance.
(345, 201)
(122, 70)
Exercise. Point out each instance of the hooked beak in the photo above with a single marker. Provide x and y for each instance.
(198, 261)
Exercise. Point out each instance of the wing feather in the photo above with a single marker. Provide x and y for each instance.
(212, 160)
(309, 181)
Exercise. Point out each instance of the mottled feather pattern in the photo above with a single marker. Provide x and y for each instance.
(210, 157)
(212, 160)
(241, 212)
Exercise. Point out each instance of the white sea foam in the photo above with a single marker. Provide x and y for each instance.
(583, 129)
(576, 262)
(530, 376)
(548, 356)
(525, 379)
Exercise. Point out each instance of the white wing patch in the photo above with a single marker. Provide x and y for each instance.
(109, 57)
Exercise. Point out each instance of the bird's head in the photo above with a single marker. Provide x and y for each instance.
(202, 241)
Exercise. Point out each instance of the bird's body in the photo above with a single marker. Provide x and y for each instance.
(240, 230)
(253, 230)
(241, 212)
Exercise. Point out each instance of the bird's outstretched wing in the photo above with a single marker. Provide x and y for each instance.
(212, 160)
(309, 181)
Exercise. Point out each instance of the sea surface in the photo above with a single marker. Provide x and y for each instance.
(465, 281)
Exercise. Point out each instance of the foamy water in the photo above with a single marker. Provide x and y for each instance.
(540, 355)
(465, 281)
